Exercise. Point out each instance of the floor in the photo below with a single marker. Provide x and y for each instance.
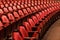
(54, 32)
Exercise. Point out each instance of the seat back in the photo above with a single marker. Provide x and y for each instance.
(29, 10)
(27, 26)
(36, 8)
(17, 17)
(5, 10)
(16, 36)
(25, 11)
(5, 20)
(23, 31)
(14, 8)
(38, 17)
(30, 21)
(11, 17)
(21, 13)
(18, 7)
(22, 6)
(10, 9)
(32, 8)
(34, 18)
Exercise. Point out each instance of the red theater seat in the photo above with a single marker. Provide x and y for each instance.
(2, 6)
(25, 12)
(6, 5)
(31, 22)
(5, 20)
(29, 10)
(32, 9)
(22, 6)
(5, 10)
(16, 36)
(38, 16)
(18, 2)
(18, 7)
(31, 29)
(11, 4)
(34, 18)
(29, 5)
(21, 13)
(17, 17)
(27, 26)
(14, 8)
(25, 5)
(11, 17)
(36, 8)
(14, 4)
(25, 34)
(10, 9)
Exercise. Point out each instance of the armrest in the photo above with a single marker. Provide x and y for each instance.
(43, 18)
(32, 32)
(10, 38)
(28, 38)
(37, 24)
(40, 21)
(34, 28)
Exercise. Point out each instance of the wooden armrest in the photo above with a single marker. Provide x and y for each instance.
(43, 18)
(32, 32)
(34, 28)
(28, 38)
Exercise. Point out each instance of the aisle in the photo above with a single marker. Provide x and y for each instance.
(54, 32)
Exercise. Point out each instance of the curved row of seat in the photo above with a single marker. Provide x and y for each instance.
(13, 16)
(12, 11)
(30, 29)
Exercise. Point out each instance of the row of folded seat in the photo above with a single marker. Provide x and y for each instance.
(12, 11)
(30, 29)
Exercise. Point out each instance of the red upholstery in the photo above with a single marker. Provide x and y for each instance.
(17, 17)
(29, 17)
(11, 17)
(21, 13)
(10, 9)
(14, 8)
(34, 19)
(30, 22)
(5, 20)
(16, 36)
(27, 26)
(24, 33)
(32, 8)
(38, 16)
(5, 10)
(29, 10)
(25, 11)
(36, 8)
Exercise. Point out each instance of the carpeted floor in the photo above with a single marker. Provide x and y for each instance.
(54, 32)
